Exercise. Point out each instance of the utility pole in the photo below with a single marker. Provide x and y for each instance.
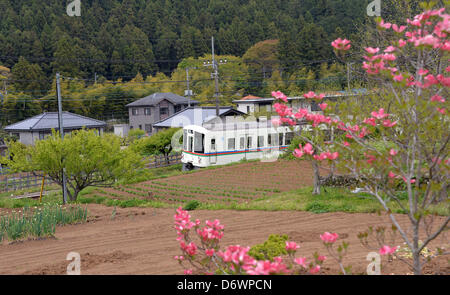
(215, 73)
(188, 91)
(61, 131)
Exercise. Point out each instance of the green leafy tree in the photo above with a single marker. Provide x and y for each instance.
(159, 143)
(87, 159)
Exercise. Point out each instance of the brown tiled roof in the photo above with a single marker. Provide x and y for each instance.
(249, 97)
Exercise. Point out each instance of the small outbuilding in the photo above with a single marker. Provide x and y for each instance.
(38, 127)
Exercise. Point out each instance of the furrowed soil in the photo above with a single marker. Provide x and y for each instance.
(142, 241)
(237, 183)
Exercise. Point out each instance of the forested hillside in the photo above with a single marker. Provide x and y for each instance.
(121, 40)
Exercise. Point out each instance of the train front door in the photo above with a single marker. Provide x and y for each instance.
(213, 157)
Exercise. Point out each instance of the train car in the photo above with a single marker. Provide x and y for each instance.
(219, 144)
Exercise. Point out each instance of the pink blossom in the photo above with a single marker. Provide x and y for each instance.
(371, 50)
(276, 122)
(209, 252)
(437, 98)
(267, 268)
(442, 111)
(340, 44)
(301, 261)
(188, 271)
(237, 255)
(389, 57)
(398, 29)
(384, 25)
(308, 149)
(321, 258)
(190, 249)
(423, 72)
(315, 269)
(380, 114)
(329, 238)
(370, 158)
(323, 106)
(401, 43)
(346, 143)
(445, 81)
(391, 174)
(179, 258)
(411, 181)
(393, 152)
(387, 250)
(398, 78)
(279, 95)
(388, 123)
(428, 40)
(291, 246)
(298, 153)
(390, 49)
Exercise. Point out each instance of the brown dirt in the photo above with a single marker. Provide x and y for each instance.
(237, 183)
(142, 240)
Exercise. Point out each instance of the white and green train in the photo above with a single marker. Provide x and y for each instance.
(219, 144)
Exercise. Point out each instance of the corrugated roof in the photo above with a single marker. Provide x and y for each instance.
(48, 121)
(191, 116)
(155, 98)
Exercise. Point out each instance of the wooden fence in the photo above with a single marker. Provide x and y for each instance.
(161, 161)
(21, 181)
(26, 180)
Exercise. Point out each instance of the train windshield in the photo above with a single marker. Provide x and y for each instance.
(199, 142)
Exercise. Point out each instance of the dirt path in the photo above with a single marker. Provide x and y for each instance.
(142, 240)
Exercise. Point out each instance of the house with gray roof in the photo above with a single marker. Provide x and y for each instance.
(196, 116)
(38, 127)
(146, 111)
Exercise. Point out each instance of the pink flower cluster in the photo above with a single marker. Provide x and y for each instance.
(238, 256)
(279, 95)
(308, 149)
(189, 249)
(183, 222)
(340, 44)
(329, 238)
(326, 155)
(312, 94)
(212, 232)
(268, 267)
(386, 250)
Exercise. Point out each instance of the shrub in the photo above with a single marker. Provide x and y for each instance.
(192, 205)
(316, 207)
(274, 246)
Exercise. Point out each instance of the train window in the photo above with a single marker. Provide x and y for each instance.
(280, 138)
(231, 143)
(261, 141)
(289, 137)
(272, 139)
(213, 144)
(190, 143)
(242, 143)
(249, 142)
(185, 139)
(199, 142)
